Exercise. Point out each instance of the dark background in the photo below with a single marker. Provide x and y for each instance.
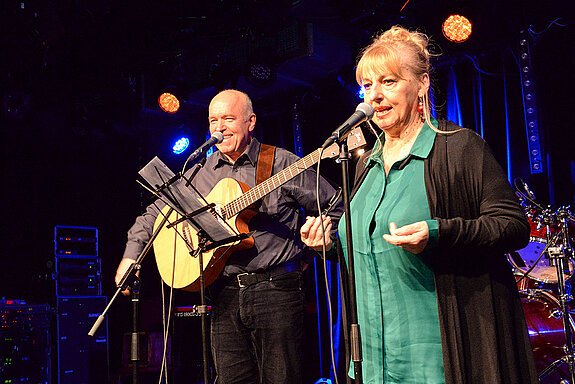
(78, 114)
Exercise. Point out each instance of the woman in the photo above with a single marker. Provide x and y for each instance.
(432, 217)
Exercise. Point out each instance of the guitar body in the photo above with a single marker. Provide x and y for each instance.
(174, 246)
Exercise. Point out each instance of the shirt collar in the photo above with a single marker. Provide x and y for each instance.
(424, 142)
(250, 155)
(421, 147)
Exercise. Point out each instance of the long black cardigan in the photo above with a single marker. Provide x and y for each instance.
(483, 331)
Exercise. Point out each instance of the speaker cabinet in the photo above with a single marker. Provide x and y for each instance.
(82, 359)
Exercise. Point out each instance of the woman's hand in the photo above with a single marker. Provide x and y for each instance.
(311, 233)
(411, 237)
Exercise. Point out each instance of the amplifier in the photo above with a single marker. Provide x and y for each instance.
(78, 276)
(187, 355)
(82, 359)
(75, 241)
(24, 342)
(191, 311)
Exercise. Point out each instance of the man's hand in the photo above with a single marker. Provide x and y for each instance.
(311, 233)
(411, 237)
(121, 271)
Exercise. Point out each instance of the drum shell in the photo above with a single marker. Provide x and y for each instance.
(545, 325)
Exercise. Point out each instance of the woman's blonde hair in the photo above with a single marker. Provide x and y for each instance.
(392, 50)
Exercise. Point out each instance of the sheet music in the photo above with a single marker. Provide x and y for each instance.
(184, 200)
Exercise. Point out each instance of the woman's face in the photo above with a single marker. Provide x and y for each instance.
(394, 99)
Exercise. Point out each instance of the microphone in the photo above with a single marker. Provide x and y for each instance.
(362, 113)
(530, 194)
(217, 137)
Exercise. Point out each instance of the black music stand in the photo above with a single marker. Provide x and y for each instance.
(173, 190)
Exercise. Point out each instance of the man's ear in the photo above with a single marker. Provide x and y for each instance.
(252, 122)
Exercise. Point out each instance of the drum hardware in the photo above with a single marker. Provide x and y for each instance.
(556, 313)
(567, 297)
(530, 263)
(546, 231)
(550, 237)
(553, 366)
(546, 218)
(561, 253)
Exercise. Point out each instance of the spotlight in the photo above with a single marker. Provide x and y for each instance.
(181, 145)
(457, 28)
(261, 68)
(361, 93)
(260, 72)
(169, 102)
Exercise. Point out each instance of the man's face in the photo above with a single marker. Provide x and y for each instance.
(228, 114)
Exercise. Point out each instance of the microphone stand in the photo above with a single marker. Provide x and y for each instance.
(135, 350)
(355, 334)
(203, 308)
(131, 280)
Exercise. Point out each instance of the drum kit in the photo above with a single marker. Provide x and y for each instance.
(543, 272)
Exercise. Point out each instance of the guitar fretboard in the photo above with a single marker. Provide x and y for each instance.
(237, 205)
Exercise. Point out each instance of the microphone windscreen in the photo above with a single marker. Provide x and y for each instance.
(367, 109)
(218, 136)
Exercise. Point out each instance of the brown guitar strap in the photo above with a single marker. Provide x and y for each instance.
(265, 162)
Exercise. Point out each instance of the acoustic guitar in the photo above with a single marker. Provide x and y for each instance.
(175, 246)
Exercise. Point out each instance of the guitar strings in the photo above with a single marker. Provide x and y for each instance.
(175, 227)
(224, 215)
(248, 198)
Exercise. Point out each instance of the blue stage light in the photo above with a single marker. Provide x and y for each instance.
(181, 145)
(361, 93)
(210, 151)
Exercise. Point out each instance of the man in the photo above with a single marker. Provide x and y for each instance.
(258, 305)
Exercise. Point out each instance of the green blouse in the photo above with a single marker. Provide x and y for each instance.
(396, 298)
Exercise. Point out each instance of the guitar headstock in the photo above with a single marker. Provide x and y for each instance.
(355, 140)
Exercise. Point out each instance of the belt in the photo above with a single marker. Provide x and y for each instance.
(246, 279)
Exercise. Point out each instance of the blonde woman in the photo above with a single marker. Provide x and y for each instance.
(432, 217)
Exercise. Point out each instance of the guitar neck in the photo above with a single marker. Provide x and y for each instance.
(240, 203)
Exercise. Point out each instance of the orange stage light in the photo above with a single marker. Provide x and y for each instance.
(457, 28)
(169, 103)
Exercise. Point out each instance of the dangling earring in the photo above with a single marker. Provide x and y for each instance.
(420, 108)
